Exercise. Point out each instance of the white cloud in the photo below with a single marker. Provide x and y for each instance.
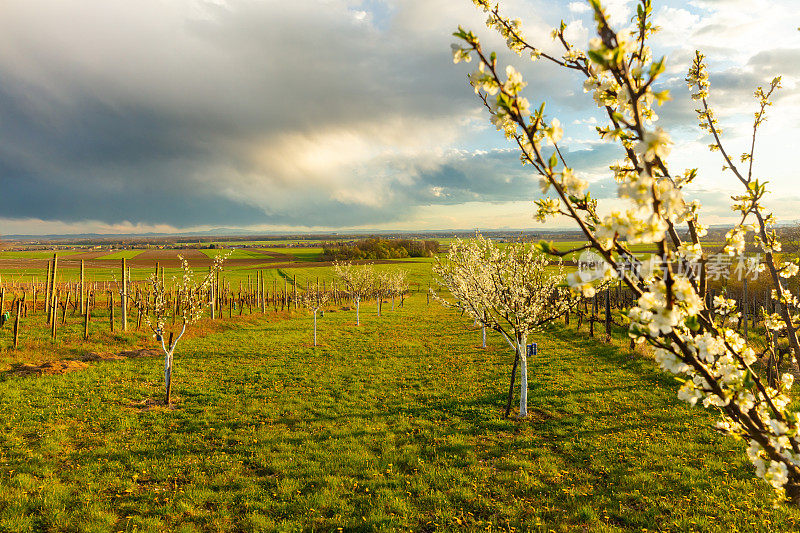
(579, 7)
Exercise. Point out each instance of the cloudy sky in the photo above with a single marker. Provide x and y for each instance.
(175, 115)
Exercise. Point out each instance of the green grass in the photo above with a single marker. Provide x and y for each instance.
(37, 254)
(122, 254)
(235, 253)
(394, 425)
(302, 254)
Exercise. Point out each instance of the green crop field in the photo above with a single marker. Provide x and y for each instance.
(302, 254)
(122, 254)
(234, 253)
(37, 254)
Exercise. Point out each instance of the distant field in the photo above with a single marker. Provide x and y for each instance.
(277, 262)
(43, 254)
(235, 253)
(123, 254)
(302, 254)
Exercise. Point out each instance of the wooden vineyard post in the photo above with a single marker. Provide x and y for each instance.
(138, 312)
(285, 293)
(294, 290)
(16, 324)
(263, 299)
(47, 291)
(608, 314)
(211, 295)
(86, 317)
(53, 303)
(82, 289)
(2, 300)
(123, 296)
(218, 294)
(53, 299)
(111, 310)
(66, 304)
(53, 315)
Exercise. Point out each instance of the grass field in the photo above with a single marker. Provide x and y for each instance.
(122, 254)
(302, 254)
(235, 253)
(39, 254)
(394, 425)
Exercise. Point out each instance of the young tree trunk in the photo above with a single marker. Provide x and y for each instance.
(315, 327)
(168, 370)
(16, 325)
(168, 376)
(358, 305)
(523, 377)
(483, 334)
(513, 379)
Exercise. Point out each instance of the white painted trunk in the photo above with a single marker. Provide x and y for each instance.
(167, 370)
(392, 302)
(523, 381)
(315, 327)
(358, 305)
(483, 334)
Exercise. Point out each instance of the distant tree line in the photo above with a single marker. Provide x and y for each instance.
(376, 248)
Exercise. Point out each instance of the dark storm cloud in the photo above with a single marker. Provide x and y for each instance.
(243, 113)
(159, 121)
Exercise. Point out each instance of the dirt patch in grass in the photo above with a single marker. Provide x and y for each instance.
(64, 366)
(51, 368)
(152, 404)
(119, 356)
